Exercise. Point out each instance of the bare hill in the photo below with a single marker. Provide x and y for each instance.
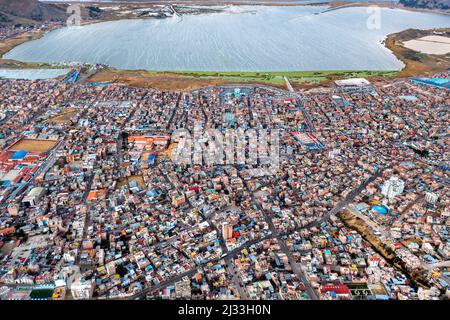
(18, 11)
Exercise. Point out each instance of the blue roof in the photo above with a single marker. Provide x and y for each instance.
(408, 98)
(18, 155)
(437, 82)
(132, 183)
(380, 209)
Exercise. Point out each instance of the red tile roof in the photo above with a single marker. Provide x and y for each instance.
(339, 289)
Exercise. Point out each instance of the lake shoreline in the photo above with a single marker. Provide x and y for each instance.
(410, 69)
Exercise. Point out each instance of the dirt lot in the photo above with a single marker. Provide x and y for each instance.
(31, 145)
(139, 180)
(64, 116)
(167, 154)
(160, 81)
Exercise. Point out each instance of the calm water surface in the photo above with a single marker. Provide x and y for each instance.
(246, 38)
(32, 74)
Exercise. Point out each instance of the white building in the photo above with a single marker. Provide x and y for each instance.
(82, 289)
(431, 197)
(353, 82)
(393, 187)
(68, 257)
(33, 196)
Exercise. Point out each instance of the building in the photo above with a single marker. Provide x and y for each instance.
(354, 82)
(178, 200)
(353, 85)
(183, 289)
(13, 209)
(82, 289)
(18, 156)
(227, 231)
(340, 291)
(393, 187)
(33, 196)
(431, 197)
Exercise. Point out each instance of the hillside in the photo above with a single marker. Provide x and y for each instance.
(427, 4)
(20, 11)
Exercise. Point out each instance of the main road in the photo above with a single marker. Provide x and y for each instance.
(295, 267)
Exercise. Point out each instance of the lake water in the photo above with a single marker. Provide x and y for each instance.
(246, 38)
(32, 74)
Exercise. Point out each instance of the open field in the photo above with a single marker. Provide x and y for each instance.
(191, 80)
(158, 80)
(32, 145)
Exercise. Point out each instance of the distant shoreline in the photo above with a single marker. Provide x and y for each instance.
(412, 68)
(286, 3)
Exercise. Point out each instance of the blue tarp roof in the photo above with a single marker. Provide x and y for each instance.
(18, 155)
